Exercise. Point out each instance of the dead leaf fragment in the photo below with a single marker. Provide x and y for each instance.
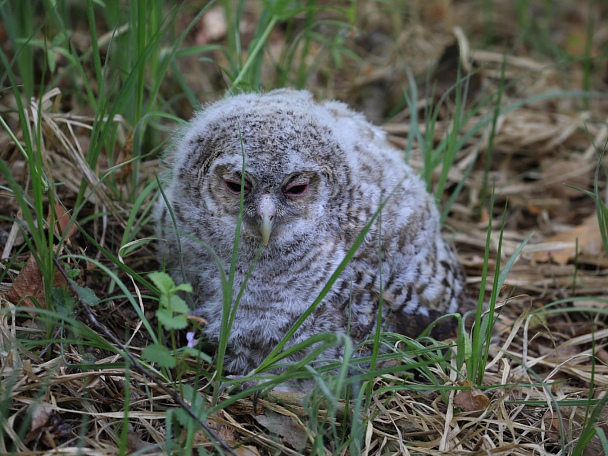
(62, 220)
(135, 443)
(40, 415)
(213, 26)
(284, 426)
(126, 166)
(560, 176)
(46, 425)
(471, 400)
(589, 243)
(246, 450)
(29, 282)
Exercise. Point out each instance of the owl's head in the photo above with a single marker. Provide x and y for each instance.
(281, 151)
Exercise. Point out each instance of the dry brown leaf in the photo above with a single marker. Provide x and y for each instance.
(559, 176)
(284, 426)
(46, 425)
(29, 283)
(213, 26)
(226, 434)
(126, 169)
(40, 415)
(246, 450)
(552, 419)
(562, 353)
(471, 400)
(135, 443)
(577, 42)
(589, 243)
(61, 222)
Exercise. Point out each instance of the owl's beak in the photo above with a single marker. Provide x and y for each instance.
(267, 210)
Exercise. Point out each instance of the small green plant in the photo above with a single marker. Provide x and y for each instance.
(172, 309)
(485, 317)
(171, 315)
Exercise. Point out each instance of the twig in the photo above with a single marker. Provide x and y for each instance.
(138, 366)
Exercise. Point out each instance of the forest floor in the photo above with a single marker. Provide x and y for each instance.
(517, 90)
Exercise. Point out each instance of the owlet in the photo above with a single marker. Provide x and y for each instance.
(310, 177)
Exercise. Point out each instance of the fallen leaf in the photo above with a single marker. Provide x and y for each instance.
(40, 415)
(559, 176)
(284, 426)
(552, 419)
(45, 424)
(225, 433)
(213, 26)
(589, 243)
(62, 219)
(125, 171)
(246, 450)
(471, 400)
(136, 444)
(29, 283)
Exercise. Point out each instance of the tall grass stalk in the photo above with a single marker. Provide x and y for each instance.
(601, 201)
(442, 155)
(42, 242)
(484, 319)
(18, 19)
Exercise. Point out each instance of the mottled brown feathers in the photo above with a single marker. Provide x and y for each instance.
(315, 175)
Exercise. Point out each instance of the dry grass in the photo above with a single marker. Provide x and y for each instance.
(548, 357)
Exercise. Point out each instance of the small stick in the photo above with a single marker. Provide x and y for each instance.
(138, 366)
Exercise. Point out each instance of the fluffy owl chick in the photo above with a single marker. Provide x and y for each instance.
(315, 175)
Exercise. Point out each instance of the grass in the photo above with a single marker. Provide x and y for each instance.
(83, 366)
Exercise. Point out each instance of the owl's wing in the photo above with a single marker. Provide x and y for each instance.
(415, 273)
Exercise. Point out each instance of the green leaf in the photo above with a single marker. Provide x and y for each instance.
(178, 305)
(163, 281)
(87, 295)
(159, 354)
(197, 404)
(184, 418)
(196, 354)
(63, 301)
(170, 321)
(72, 272)
(183, 287)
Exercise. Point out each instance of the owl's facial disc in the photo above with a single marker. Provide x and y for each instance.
(267, 210)
(276, 205)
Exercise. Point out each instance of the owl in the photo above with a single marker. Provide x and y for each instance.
(310, 177)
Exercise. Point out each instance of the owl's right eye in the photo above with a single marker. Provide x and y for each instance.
(234, 186)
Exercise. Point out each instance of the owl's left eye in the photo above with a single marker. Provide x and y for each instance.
(234, 186)
(296, 188)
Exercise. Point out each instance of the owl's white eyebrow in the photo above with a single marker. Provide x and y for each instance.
(236, 175)
(301, 176)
